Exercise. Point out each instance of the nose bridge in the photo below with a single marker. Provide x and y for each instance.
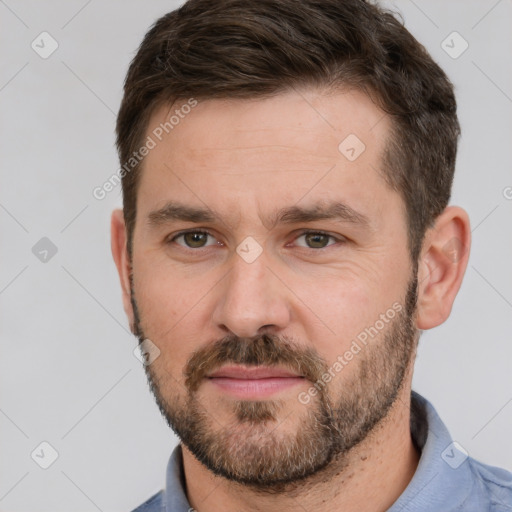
(251, 298)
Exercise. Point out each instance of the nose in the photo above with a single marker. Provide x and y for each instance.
(251, 299)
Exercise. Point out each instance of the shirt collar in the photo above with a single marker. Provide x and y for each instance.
(443, 478)
(175, 498)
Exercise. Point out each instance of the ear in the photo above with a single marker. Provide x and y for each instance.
(122, 261)
(442, 265)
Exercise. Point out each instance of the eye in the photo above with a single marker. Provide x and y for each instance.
(316, 239)
(193, 239)
(198, 239)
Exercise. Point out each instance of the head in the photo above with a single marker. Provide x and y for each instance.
(308, 150)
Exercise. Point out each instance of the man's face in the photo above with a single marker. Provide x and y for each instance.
(321, 304)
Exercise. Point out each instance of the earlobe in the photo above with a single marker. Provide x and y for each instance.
(121, 259)
(442, 265)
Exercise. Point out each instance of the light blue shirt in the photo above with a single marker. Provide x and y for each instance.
(445, 480)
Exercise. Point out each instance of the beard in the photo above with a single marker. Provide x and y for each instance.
(251, 448)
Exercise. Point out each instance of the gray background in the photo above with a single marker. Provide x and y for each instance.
(68, 374)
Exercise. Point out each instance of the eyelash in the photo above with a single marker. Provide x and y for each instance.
(302, 233)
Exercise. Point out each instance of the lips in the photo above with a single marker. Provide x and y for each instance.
(251, 373)
(253, 383)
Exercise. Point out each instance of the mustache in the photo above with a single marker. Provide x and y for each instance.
(262, 350)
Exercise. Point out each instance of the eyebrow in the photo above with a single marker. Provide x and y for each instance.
(175, 211)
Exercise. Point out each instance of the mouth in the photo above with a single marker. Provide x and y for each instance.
(253, 382)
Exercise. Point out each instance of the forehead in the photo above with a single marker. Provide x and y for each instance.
(310, 118)
(291, 147)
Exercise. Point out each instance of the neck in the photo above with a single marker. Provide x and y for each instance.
(370, 477)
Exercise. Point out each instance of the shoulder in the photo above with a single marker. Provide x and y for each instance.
(492, 485)
(153, 504)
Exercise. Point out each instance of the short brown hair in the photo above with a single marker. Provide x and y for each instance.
(255, 48)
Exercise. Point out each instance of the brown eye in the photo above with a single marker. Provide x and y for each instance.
(315, 240)
(194, 239)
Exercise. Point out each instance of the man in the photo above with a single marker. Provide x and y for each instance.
(284, 239)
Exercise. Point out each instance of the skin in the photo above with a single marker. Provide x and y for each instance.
(244, 160)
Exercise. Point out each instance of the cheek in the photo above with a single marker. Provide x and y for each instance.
(337, 305)
(172, 312)
(168, 292)
(338, 309)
